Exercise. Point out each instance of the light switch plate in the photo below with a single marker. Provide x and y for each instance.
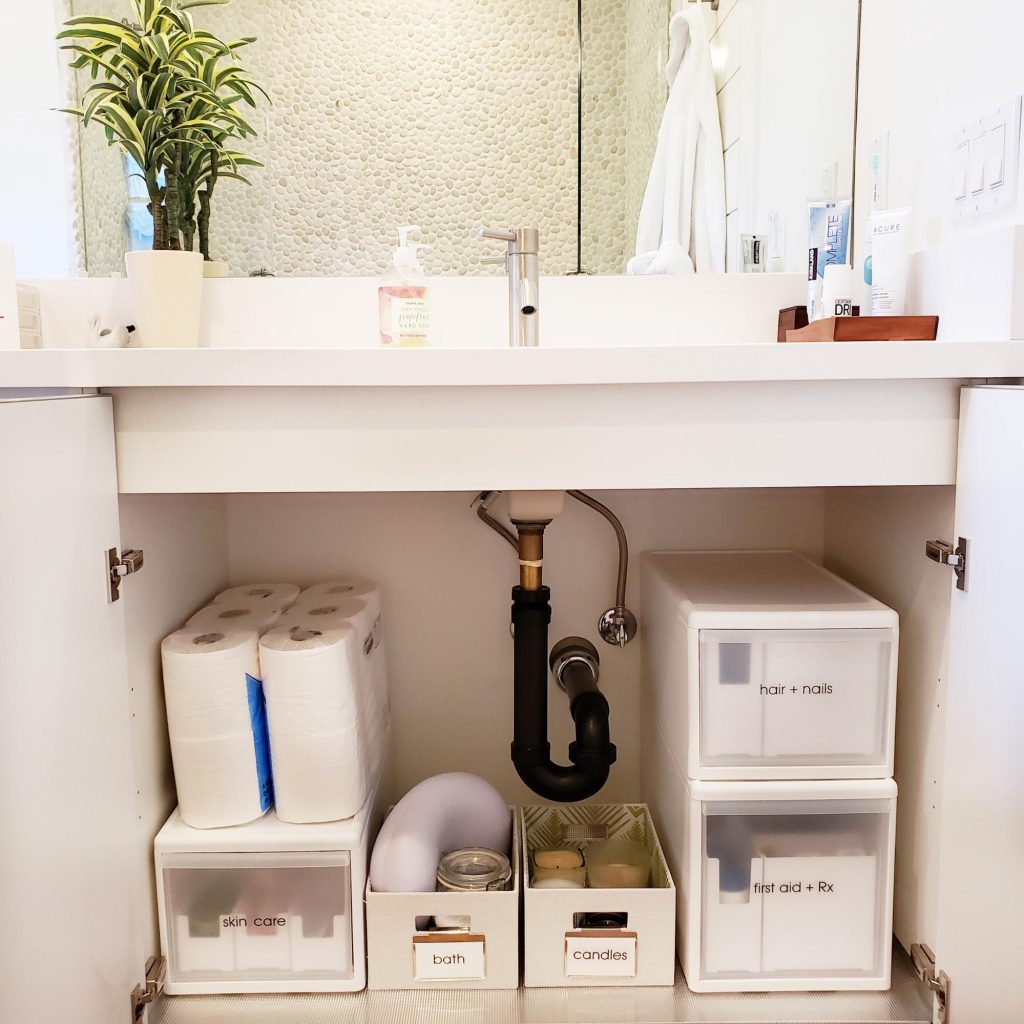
(986, 158)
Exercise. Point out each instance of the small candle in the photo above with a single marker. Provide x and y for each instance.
(558, 869)
(618, 864)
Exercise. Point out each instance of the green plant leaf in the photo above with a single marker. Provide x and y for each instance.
(97, 61)
(101, 30)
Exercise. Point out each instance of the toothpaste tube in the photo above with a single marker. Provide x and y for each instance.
(828, 242)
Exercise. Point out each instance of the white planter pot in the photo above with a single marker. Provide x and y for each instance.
(216, 268)
(167, 290)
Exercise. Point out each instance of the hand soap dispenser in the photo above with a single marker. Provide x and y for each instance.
(404, 302)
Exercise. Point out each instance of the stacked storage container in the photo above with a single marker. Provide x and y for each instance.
(251, 901)
(770, 694)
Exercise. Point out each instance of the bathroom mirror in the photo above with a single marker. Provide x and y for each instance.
(451, 114)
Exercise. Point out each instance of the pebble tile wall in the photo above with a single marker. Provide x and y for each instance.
(444, 113)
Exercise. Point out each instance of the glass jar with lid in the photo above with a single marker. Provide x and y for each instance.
(474, 869)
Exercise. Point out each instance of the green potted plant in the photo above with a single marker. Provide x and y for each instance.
(168, 94)
(202, 167)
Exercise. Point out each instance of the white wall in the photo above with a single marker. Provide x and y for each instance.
(37, 177)
(927, 67)
(447, 580)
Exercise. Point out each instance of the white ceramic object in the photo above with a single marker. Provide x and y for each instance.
(167, 289)
(106, 337)
(442, 813)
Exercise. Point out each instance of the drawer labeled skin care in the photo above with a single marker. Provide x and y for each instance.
(269, 916)
(763, 665)
(267, 906)
(790, 892)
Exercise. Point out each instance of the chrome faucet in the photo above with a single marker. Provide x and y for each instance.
(523, 282)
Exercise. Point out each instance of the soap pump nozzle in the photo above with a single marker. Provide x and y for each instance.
(406, 255)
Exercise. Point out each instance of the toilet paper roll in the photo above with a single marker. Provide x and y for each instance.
(328, 612)
(362, 612)
(247, 614)
(342, 779)
(218, 781)
(216, 720)
(364, 617)
(310, 678)
(336, 589)
(205, 680)
(277, 595)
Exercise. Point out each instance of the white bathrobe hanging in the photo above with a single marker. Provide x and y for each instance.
(682, 220)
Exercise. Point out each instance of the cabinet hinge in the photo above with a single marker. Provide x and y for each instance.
(924, 964)
(956, 558)
(119, 566)
(143, 996)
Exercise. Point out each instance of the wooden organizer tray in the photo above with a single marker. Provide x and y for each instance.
(867, 328)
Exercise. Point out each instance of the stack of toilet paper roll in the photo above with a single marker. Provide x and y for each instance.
(325, 683)
(216, 716)
(299, 717)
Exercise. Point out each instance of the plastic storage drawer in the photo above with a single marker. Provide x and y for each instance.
(789, 885)
(763, 665)
(264, 907)
(261, 916)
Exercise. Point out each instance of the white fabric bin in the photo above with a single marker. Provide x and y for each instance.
(562, 946)
(431, 940)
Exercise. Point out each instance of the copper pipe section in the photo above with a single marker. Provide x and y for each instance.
(531, 555)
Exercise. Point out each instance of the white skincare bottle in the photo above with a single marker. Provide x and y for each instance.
(890, 261)
(403, 297)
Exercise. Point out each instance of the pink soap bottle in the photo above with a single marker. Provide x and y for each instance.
(404, 300)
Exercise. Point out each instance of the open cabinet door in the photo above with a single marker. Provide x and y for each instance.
(69, 871)
(981, 850)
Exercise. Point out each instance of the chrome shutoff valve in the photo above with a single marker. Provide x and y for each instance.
(617, 626)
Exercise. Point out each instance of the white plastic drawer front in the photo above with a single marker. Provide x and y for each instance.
(794, 889)
(788, 698)
(258, 915)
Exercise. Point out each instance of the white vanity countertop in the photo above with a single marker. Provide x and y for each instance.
(638, 383)
(501, 367)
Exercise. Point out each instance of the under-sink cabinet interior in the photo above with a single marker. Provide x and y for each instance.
(87, 764)
(445, 582)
